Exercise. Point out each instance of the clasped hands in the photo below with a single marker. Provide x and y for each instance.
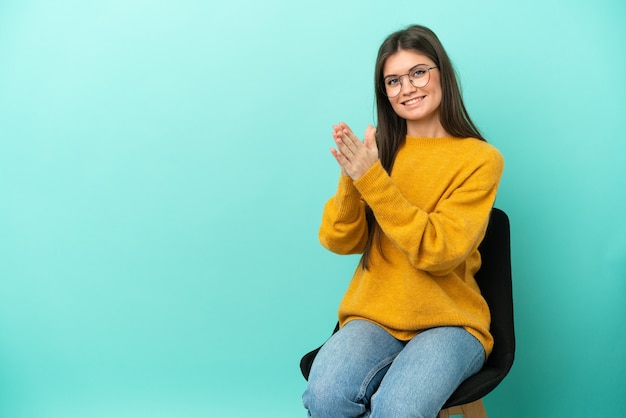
(354, 157)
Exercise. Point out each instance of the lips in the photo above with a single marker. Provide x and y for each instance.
(413, 101)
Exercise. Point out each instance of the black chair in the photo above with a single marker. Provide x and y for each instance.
(494, 279)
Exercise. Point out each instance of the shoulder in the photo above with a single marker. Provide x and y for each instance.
(468, 154)
(480, 152)
(479, 145)
(480, 163)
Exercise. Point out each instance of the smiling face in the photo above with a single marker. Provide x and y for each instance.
(418, 106)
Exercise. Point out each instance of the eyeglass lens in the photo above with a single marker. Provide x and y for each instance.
(419, 76)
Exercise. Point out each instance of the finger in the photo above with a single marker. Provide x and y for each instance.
(369, 138)
(351, 141)
(343, 126)
(341, 160)
(351, 138)
(337, 134)
(337, 157)
(349, 135)
(344, 146)
(347, 142)
(347, 131)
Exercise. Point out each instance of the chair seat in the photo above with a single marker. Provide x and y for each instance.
(476, 386)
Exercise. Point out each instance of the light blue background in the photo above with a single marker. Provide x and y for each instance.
(163, 166)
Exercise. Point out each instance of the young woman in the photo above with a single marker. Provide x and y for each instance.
(414, 198)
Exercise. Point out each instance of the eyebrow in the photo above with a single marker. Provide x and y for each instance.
(416, 65)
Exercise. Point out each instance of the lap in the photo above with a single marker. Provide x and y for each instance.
(355, 358)
(363, 368)
(426, 372)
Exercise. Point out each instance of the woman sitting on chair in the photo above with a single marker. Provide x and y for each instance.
(414, 198)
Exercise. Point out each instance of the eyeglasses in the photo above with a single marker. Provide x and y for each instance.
(419, 76)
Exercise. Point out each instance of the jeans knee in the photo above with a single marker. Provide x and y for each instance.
(383, 410)
(328, 400)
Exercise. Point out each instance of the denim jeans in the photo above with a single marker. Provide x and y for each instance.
(363, 371)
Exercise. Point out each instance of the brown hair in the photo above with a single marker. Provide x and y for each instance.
(392, 130)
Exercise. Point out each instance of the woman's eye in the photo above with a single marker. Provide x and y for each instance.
(419, 73)
(392, 81)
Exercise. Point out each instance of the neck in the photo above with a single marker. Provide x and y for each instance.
(426, 128)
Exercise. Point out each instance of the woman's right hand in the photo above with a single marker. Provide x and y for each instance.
(354, 157)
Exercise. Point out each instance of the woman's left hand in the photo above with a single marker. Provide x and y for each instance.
(354, 157)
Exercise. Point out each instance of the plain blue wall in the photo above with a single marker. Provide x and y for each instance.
(163, 167)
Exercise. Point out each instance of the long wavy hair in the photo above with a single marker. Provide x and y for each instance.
(392, 130)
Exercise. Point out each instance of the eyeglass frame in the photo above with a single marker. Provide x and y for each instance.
(384, 85)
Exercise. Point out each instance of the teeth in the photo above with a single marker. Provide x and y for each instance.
(413, 101)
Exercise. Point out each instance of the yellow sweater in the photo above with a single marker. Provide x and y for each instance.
(433, 211)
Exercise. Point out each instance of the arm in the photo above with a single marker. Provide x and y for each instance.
(344, 228)
(439, 240)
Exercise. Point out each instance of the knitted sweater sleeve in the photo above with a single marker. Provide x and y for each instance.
(438, 240)
(344, 229)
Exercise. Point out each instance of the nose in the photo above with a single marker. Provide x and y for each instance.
(405, 85)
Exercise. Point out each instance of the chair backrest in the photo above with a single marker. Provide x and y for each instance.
(495, 282)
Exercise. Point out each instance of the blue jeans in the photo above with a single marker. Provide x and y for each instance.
(363, 371)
